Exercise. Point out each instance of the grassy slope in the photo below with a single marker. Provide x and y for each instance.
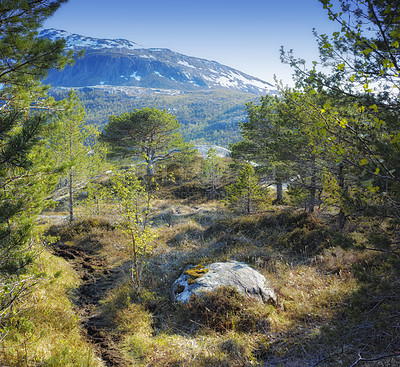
(335, 301)
(48, 333)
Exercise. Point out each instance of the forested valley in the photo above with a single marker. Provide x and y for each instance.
(104, 206)
(210, 117)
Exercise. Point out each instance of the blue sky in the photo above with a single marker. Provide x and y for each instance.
(245, 35)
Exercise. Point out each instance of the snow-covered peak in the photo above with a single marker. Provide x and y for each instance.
(76, 41)
(125, 63)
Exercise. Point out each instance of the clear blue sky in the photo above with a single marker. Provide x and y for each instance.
(245, 34)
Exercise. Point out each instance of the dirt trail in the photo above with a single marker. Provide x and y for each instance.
(97, 278)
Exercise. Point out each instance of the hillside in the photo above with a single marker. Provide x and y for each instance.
(116, 76)
(206, 117)
(125, 63)
(331, 301)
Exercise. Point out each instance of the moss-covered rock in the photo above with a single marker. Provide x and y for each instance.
(196, 280)
(197, 272)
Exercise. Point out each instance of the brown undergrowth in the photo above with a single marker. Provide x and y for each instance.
(312, 267)
(337, 291)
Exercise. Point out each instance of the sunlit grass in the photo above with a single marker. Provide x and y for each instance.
(49, 332)
(316, 284)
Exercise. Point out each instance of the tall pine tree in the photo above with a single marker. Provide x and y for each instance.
(74, 144)
(25, 171)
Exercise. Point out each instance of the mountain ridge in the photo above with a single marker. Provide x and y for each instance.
(126, 63)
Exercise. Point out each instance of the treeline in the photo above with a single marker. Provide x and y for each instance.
(205, 117)
(335, 136)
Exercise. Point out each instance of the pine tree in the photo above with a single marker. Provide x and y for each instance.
(74, 144)
(246, 195)
(278, 139)
(359, 122)
(148, 134)
(26, 175)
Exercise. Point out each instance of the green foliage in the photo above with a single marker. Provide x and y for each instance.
(210, 117)
(74, 145)
(183, 168)
(26, 172)
(48, 332)
(279, 139)
(25, 59)
(359, 125)
(97, 201)
(148, 134)
(134, 203)
(297, 195)
(246, 195)
(213, 172)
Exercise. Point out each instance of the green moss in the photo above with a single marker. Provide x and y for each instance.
(197, 272)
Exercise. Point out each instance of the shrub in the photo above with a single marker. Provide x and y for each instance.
(246, 195)
(81, 227)
(313, 242)
(226, 309)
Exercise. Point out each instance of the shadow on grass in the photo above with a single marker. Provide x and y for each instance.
(361, 328)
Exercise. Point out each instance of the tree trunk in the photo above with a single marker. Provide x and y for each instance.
(212, 190)
(248, 198)
(150, 170)
(342, 216)
(313, 186)
(279, 191)
(135, 263)
(150, 159)
(71, 203)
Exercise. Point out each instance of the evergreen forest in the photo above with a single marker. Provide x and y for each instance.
(209, 117)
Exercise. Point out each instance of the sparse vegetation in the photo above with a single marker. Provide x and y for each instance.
(74, 294)
(49, 331)
(322, 279)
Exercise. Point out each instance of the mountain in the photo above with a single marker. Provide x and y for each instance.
(119, 62)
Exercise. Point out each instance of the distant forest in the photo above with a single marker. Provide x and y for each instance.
(210, 117)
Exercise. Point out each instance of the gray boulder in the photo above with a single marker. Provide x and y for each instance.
(199, 279)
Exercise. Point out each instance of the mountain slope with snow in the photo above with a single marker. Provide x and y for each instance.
(76, 41)
(125, 63)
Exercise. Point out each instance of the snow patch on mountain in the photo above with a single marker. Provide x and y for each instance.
(76, 41)
(134, 75)
(184, 63)
(125, 63)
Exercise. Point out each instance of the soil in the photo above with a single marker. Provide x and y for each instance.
(97, 278)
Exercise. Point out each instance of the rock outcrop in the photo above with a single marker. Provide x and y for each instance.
(200, 279)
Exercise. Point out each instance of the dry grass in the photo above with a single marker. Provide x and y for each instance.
(319, 275)
(49, 332)
(308, 297)
(311, 291)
